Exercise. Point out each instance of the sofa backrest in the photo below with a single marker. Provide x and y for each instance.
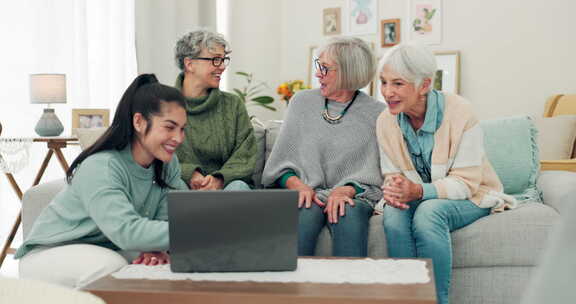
(517, 169)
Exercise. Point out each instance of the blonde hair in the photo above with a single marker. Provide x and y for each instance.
(355, 61)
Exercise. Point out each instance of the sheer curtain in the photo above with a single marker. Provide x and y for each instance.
(91, 41)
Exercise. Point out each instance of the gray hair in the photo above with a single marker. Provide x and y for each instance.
(413, 62)
(192, 44)
(354, 59)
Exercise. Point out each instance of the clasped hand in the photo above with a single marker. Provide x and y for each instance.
(208, 182)
(399, 190)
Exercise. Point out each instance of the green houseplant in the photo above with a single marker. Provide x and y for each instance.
(249, 92)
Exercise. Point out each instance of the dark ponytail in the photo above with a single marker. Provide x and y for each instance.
(144, 95)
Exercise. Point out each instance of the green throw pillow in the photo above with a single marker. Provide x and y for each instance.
(511, 147)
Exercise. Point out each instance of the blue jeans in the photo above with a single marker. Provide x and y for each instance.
(237, 185)
(423, 231)
(349, 235)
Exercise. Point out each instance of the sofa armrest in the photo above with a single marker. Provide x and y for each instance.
(558, 189)
(36, 199)
(561, 164)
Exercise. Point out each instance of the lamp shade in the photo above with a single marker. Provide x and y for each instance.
(47, 88)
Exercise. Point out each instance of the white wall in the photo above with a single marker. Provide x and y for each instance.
(514, 53)
(257, 47)
(159, 24)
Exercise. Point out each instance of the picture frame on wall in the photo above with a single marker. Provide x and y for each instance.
(362, 17)
(332, 21)
(426, 21)
(90, 118)
(312, 80)
(447, 78)
(390, 32)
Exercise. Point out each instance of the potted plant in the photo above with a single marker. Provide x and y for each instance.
(249, 93)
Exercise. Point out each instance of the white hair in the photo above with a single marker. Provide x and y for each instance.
(413, 62)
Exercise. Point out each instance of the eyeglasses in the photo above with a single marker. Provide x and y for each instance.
(322, 68)
(216, 61)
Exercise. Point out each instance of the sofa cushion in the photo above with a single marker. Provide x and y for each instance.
(260, 135)
(511, 147)
(556, 136)
(512, 238)
(272, 130)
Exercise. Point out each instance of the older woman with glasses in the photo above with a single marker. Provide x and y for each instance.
(220, 149)
(326, 150)
(437, 176)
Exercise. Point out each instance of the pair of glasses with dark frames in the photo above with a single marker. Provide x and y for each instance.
(322, 68)
(216, 61)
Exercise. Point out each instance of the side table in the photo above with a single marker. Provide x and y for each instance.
(55, 146)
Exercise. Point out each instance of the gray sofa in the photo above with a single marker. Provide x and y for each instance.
(493, 257)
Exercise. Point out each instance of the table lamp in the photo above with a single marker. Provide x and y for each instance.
(48, 88)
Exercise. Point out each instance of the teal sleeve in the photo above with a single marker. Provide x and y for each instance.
(103, 190)
(358, 189)
(281, 182)
(429, 191)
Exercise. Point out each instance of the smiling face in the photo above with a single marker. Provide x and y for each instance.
(329, 81)
(203, 73)
(401, 95)
(158, 138)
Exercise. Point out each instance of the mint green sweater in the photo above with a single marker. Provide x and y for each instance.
(111, 202)
(219, 137)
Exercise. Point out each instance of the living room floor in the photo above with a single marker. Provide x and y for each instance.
(9, 267)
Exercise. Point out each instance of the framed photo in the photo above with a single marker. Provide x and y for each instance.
(312, 80)
(362, 16)
(332, 21)
(426, 21)
(390, 31)
(90, 118)
(447, 76)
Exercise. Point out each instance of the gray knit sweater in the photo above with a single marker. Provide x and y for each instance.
(323, 155)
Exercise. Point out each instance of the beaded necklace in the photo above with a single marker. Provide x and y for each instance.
(336, 119)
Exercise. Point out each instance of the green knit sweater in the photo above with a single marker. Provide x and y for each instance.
(219, 137)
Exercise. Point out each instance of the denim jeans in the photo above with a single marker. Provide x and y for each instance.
(423, 231)
(349, 235)
(237, 185)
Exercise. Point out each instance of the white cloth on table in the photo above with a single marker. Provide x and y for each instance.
(14, 154)
(361, 271)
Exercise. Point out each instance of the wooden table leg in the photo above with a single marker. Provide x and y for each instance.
(43, 167)
(61, 159)
(6, 248)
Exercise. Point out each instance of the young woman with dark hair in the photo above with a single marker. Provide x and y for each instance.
(114, 204)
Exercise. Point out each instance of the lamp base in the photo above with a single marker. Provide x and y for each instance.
(49, 124)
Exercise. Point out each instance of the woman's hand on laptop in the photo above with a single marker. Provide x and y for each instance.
(152, 258)
(337, 201)
(306, 195)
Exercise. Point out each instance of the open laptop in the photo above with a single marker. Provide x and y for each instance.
(225, 231)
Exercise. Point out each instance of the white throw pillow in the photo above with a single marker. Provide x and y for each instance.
(88, 136)
(556, 136)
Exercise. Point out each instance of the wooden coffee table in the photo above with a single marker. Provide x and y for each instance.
(143, 291)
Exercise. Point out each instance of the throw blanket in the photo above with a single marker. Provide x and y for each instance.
(460, 169)
(323, 155)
